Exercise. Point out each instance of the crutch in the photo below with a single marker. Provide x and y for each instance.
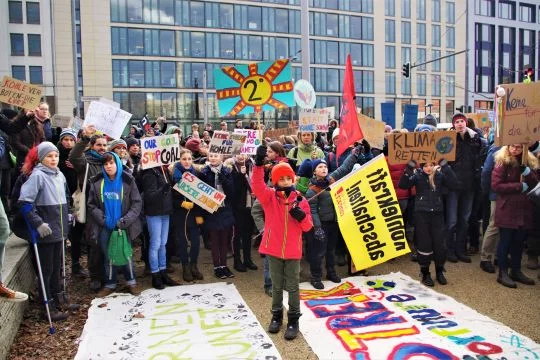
(25, 210)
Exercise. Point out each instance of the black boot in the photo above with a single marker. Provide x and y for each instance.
(505, 280)
(56, 315)
(165, 279)
(197, 275)
(317, 284)
(292, 326)
(63, 303)
(440, 275)
(250, 264)
(519, 276)
(277, 320)
(426, 277)
(187, 272)
(238, 265)
(157, 283)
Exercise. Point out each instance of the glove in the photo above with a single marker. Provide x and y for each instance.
(525, 170)
(411, 165)
(367, 147)
(302, 185)
(188, 205)
(443, 162)
(358, 150)
(120, 224)
(199, 220)
(319, 234)
(260, 155)
(44, 230)
(297, 213)
(524, 186)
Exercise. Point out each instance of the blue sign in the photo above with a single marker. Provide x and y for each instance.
(388, 111)
(410, 116)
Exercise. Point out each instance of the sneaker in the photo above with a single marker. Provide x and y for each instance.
(105, 292)
(218, 272)
(9, 295)
(134, 290)
(487, 266)
(228, 273)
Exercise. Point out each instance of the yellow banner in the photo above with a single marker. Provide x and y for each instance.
(369, 215)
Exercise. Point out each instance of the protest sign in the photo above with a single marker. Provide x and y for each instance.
(253, 140)
(481, 121)
(313, 120)
(20, 93)
(410, 116)
(107, 118)
(518, 114)
(159, 150)
(373, 131)
(202, 321)
(388, 113)
(369, 215)
(199, 192)
(331, 112)
(225, 143)
(304, 94)
(276, 133)
(77, 123)
(395, 317)
(421, 146)
(61, 121)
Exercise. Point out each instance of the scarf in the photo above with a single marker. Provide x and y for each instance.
(286, 190)
(94, 154)
(306, 148)
(111, 192)
(216, 170)
(322, 183)
(179, 171)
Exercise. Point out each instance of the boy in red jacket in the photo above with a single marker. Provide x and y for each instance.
(287, 216)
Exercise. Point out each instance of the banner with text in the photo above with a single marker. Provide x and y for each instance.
(225, 143)
(369, 215)
(159, 150)
(20, 93)
(199, 192)
(203, 321)
(313, 120)
(106, 118)
(373, 131)
(253, 140)
(421, 146)
(395, 317)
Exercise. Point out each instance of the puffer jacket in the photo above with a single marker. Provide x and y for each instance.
(131, 208)
(513, 209)
(46, 190)
(282, 237)
(223, 217)
(322, 207)
(396, 171)
(303, 152)
(156, 188)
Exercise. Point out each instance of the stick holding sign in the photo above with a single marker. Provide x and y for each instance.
(421, 147)
(107, 118)
(199, 192)
(20, 93)
(159, 150)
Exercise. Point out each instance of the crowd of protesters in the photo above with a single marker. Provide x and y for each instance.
(277, 200)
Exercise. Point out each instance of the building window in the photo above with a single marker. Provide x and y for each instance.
(15, 12)
(450, 86)
(196, 14)
(450, 37)
(406, 9)
(36, 75)
(527, 13)
(390, 7)
(450, 12)
(436, 10)
(421, 10)
(255, 48)
(226, 18)
(421, 55)
(436, 65)
(405, 55)
(227, 46)
(484, 7)
(135, 11)
(421, 84)
(405, 32)
(507, 10)
(34, 45)
(197, 44)
(421, 34)
(17, 44)
(166, 12)
(254, 18)
(390, 30)
(135, 42)
(527, 47)
(435, 85)
(450, 63)
(405, 86)
(484, 58)
(390, 57)
(507, 54)
(18, 72)
(390, 83)
(435, 35)
(136, 73)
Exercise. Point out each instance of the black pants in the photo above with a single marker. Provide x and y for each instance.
(76, 238)
(429, 228)
(50, 258)
(95, 260)
(243, 230)
(319, 249)
(474, 220)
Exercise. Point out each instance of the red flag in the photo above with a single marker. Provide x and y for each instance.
(349, 129)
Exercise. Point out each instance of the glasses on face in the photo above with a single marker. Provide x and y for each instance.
(120, 148)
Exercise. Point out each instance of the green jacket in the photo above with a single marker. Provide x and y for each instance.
(302, 152)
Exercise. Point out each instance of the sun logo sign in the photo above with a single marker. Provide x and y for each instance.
(252, 88)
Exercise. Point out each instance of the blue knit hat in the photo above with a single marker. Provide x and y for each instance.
(424, 127)
(305, 169)
(68, 132)
(317, 162)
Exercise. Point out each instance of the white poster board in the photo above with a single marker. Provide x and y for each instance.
(253, 140)
(199, 192)
(313, 120)
(225, 143)
(159, 150)
(106, 118)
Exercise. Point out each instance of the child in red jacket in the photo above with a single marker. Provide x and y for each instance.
(287, 215)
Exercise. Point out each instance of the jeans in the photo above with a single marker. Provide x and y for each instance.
(511, 242)
(4, 235)
(266, 271)
(491, 237)
(158, 227)
(458, 211)
(285, 274)
(110, 270)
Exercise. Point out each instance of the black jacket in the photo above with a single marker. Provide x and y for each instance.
(223, 218)
(241, 185)
(467, 159)
(156, 189)
(68, 170)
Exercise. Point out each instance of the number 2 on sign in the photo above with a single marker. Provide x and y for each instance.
(256, 90)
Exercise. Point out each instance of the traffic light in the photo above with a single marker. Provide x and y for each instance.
(461, 109)
(528, 75)
(406, 70)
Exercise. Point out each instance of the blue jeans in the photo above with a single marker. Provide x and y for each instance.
(158, 227)
(110, 271)
(266, 269)
(458, 211)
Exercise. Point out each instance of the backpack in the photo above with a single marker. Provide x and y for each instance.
(119, 250)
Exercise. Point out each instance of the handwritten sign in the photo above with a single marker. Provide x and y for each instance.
(313, 120)
(20, 93)
(421, 146)
(159, 150)
(253, 140)
(199, 192)
(276, 133)
(107, 119)
(373, 131)
(225, 143)
(61, 121)
(331, 112)
(519, 120)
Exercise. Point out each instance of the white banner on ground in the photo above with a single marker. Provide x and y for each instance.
(106, 118)
(395, 317)
(206, 321)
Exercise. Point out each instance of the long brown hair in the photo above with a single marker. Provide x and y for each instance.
(278, 148)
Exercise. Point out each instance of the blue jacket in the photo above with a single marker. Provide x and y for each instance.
(489, 165)
(223, 218)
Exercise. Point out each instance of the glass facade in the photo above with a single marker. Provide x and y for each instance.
(18, 72)
(36, 75)
(15, 12)
(17, 44)
(32, 13)
(34, 45)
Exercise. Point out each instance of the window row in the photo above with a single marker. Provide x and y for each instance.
(33, 44)
(507, 9)
(335, 53)
(363, 6)
(390, 33)
(331, 80)
(15, 10)
(35, 73)
(421, 57)
(390, 10)
(343, 26)
(206, 14)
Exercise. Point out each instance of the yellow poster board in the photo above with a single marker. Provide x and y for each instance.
(369, 215)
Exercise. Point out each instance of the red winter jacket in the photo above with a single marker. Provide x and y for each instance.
(396, 171)
(282, 236)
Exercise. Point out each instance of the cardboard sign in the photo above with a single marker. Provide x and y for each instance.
(518, 118)
(20, 93)
(373, 131)
(159, 150)
(421, 146)
(276, 133)
(481, 121)
(107, 119)
(61, 121)
(253, 140)
(313, 120)
(225, 143)
(199, 192)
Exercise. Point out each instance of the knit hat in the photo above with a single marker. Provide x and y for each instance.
(305, 169)
(44, 148)
(130, 141)
(335, 133)
(424, 127)
(387, 128)
(317, 162)
(458, 116)
(68, 132)
(280, 170)
(115, 143)
(193, 144)
(430, 120)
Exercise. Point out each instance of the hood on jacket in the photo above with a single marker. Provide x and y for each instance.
(503, 157)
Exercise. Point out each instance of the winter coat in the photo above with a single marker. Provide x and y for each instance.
(427, 198)
(79, 158)
(31, 135)
(487, 169)
(157, 192)
(303, 152)
(322, 207)
(513, 209)
(242, 185)
(66, 168)
(466, 164)
(396, 171)
(46, 190)
(12, 127)
(282, 237)
(131, 208)
(222, 218)
(179, 213)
